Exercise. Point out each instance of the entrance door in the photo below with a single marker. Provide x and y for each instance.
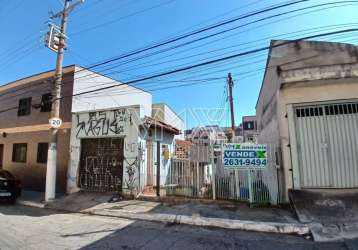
(150, 163)
(342, 133)
(1, 155)
(101, 164)
(326, 145)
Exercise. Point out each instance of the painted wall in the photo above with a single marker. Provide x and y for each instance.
(273, 102)
(313, 92)
(121, 96)
(120, 122)
(33, 174)
(164, 113)
(166, 139)
(33, 129)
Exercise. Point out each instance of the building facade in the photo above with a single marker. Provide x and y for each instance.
(307, 111)
(105, 143)
(208, 135)
(24, 129)
(249, 129)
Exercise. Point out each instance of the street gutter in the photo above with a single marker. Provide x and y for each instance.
(247, 225)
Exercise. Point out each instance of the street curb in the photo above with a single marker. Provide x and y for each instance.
(258, 226)
(246, 225)
(30, 203)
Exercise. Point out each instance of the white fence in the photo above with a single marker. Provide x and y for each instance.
(208, 179)
(252, 185)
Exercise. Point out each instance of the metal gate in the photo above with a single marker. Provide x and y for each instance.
(101, 166)
(196, 177)
(327, 145)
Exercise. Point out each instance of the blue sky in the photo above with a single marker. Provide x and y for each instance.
(102, 29)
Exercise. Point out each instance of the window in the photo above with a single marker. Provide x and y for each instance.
(19, 152)
(42, 149)
(24, 107)
(248, 125)
(46, 102)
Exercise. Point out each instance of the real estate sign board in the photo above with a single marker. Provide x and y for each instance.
(244, 156)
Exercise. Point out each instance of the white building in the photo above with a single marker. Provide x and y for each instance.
(308, 110)
(116, 144)
(208, 135)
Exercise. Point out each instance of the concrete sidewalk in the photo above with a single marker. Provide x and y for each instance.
(198, 213)
(333, 214)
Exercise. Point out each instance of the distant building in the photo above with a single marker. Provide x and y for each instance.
(249, 129)
(208, 135)
(213, 134)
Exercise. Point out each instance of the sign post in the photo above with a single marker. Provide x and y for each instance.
(238, 156)
(247, 157)
(55, 122)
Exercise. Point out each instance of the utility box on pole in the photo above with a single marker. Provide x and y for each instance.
(53, 37)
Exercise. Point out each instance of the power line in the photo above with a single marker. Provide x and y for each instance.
(123, 17)
(222, 23)
(94, 73)
(194, 33)
(202, 38)
(317, 28)
(211, 62)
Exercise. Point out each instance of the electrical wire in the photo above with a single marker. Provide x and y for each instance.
(211, 62)
(196, 40)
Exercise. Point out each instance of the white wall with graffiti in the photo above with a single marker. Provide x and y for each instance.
(104, 117)
(111, 123)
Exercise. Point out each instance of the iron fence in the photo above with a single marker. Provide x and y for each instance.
(203, 176)
(190, 179)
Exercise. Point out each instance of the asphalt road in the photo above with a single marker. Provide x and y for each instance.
(34, 228)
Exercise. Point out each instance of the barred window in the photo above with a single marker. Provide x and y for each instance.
(19, 152)
(46, 102)
(24, 106)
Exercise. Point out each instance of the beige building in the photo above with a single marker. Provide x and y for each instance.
(24, 128)
(109, 140)
(307, 111)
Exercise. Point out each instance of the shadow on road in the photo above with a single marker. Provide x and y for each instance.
(148, 235)
(9, 209)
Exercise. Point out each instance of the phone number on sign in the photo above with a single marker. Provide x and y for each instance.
(245, 162)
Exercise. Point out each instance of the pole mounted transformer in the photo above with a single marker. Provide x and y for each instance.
(53, 37)
(56, 41)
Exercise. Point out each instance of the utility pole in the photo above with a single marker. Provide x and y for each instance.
(56, 41)
(230, 83)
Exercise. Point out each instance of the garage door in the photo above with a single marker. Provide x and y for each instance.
(101, 166)
(327, 144)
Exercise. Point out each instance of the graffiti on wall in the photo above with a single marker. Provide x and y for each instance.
(103, 123)
(101, 164)
(101, 174)
(131, 169)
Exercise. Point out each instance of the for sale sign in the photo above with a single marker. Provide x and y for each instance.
(244, 156)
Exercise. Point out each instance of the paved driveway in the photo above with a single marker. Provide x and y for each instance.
(35, 228)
